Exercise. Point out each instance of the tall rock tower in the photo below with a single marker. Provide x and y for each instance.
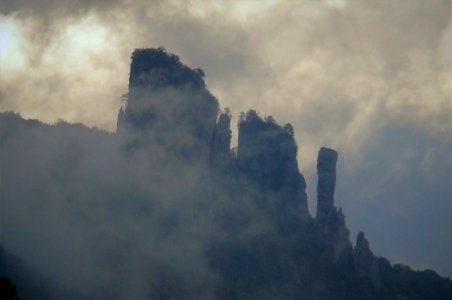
(267, 153)
(326, 170)
(220, 149)
(331, 220)
(169, 105)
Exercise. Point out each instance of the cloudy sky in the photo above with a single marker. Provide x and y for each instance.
(372, 79)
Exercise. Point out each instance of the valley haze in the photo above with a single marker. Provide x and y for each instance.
(369, 79)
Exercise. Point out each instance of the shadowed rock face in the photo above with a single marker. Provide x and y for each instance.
(267, 153)
(168, 103)
(326, 170)
(366, 263)
(330, 220)
(220, 153)
(159, 69)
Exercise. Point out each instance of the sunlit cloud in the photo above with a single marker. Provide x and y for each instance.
(12, 53)
(78, 45)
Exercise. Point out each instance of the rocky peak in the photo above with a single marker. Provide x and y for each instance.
(366, 264)
(362, 244)
(221, 141)
(159, 69)
(120, 123)
(267, 153)
(331, 221)
(168, 104)
(326, 170)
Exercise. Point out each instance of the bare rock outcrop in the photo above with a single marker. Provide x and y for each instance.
(168, 104)
(366, 264)
(267, 153)
(326, 170)
(220, 150)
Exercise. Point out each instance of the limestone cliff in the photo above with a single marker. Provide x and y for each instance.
(168, 104)
(220, 151)
(329, 219)
(326, 170)
(267, 153)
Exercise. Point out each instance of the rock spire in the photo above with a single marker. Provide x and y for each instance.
(326, 170)
(168, 104)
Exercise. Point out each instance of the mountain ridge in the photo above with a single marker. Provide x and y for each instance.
(170, 165)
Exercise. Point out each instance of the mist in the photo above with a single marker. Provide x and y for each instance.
(370, 79)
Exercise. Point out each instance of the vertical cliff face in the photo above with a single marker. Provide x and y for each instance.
(220, 151)
(330, 220)
(169, 104)
(267, 153)
(326, 170)
(120, 123)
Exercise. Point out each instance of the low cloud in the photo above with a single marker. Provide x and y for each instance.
(344, 73)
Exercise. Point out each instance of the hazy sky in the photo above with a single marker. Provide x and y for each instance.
(372, 79)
